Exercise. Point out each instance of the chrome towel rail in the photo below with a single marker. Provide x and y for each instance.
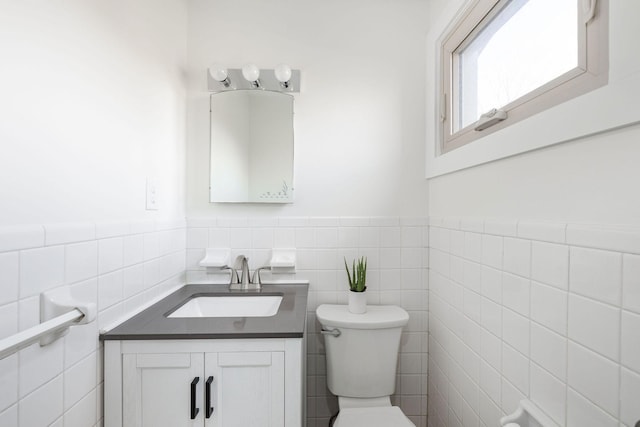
(58, 311)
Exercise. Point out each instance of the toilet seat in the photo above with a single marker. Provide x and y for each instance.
(385, 416)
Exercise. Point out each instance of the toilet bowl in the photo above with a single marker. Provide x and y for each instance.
(362, 355)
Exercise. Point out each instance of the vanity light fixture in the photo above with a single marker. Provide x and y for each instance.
(220, 74)
(252, 74)
(282, 78)
(283, 74)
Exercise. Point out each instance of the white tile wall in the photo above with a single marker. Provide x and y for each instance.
(549, 312)
(396, 249)
(61, 384)
(545, 311)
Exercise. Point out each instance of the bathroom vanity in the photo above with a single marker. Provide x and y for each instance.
(208, 371)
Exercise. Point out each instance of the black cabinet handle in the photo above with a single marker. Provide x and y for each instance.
(207, 397)
(194, 410)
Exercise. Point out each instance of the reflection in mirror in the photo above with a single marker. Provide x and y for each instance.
(251, 147)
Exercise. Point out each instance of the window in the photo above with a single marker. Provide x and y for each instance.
(506, 60)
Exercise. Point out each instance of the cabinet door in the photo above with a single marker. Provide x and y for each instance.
(158, 390)
(247, 389)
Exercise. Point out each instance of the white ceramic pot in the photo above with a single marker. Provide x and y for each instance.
(357, 302)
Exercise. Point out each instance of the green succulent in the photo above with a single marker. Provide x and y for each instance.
(358, 275)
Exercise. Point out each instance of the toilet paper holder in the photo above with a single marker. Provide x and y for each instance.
(527, 415)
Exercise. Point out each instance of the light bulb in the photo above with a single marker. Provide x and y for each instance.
(251, 72)
(283, 73)
(218, 72)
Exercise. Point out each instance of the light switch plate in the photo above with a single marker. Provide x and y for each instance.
(152, 195)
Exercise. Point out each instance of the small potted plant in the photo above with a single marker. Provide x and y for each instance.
(357, 285)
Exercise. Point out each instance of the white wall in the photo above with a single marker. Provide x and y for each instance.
(547, 312)
(526, 301)
(92, 104)
(590, 179)
(359, 117)
(92, 101)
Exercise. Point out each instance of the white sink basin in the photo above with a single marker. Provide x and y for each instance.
(230, 306)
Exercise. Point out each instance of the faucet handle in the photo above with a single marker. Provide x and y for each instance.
(256, 274)
(234, 273)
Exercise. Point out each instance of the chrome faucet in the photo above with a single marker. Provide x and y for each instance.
(244, 281)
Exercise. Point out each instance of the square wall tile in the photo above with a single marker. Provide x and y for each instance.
(549, 307)
(81, 261)
(491, 316)
(515, 293)
(549, 350)
(511, 395)
(630, 282)
(492, 250)
(411, 237)
(472, 276)
(327, 237)
(38, 365)
(457, 243)
(491, 284)
(515, 368)
(515, 331)
(79, 380)
(549, 394)
(583, 413)
(595, 325)
(110, 255)
(133, 249)
(84, 412)
(390, 237)
(9, 277)
(197, 238)
(631, 340)
(240, 238)
(219, 237)
(629, 397)
(491, 349)
(473, 246)
(489, 411)
(471, 302)
(596, 274)
(595, 377)
(8, 320)
(490, 382)
(41, 269)
(44, 406)
(9, 381)
(517, 256)
(550, 264)
(440, 238)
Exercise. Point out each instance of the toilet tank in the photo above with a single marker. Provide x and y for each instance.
(362, 361)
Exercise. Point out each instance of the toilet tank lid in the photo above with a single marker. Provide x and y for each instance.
(376, 317)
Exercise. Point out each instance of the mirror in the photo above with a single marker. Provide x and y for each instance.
(251, 147)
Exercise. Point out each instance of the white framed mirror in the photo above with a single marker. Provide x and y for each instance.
(251, 141)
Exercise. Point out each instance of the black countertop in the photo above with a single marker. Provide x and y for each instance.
(153, 323)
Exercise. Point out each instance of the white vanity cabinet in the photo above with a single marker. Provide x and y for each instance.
(209, 383)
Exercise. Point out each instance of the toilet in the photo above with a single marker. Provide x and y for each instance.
(362, 355)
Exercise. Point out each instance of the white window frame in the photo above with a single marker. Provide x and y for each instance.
(607, 109)
(591, 72)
